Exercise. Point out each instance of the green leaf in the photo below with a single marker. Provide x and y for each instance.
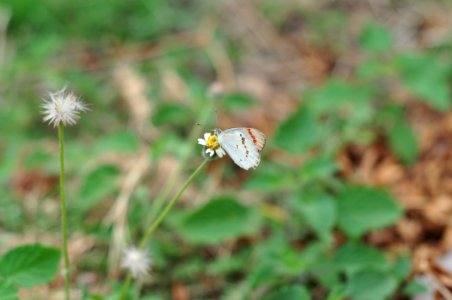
(219, 220)
(97, 185)
(270, 177)
(7, 291)
(262, 273)
(375, 37)
(171, 114)
(415, 288)
(319, 168)
(402, 267)
(238, 101)
(30, 265)
(371, 285)
(342, 99)
(319, 212)
(403, 141)
(353, 257)
(427, 77)
(38, 159)
(124, 141)
(294, 292)
(299, 132)
(361, 209)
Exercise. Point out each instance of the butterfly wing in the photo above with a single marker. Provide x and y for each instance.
(242, 147)
(257, 136)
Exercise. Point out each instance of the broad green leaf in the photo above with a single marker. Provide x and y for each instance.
(318, 168)
(299, 132)
(375, 38)
(427, 77)
(294, 292)
(7, 291)
(319, 212)
(170, 114)
(219, 220)
(371, 285)
(30, 265)
(361, 209)
(341, 98)
(353, 257)
(403, 141)
(97, 185)
(238, 101)
(270, 177)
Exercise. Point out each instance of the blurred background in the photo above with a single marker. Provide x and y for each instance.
(353, 197)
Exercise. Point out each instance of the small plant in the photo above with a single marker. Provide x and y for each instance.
(62, 109)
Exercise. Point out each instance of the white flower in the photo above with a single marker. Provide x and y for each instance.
(63, 107)
(211, 144)
(136, 261)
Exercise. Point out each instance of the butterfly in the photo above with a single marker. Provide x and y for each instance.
(243, 145)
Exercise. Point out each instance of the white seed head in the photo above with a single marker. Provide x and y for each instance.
(136, 261)
(63, 107)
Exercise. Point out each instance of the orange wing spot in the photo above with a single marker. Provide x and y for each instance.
(252, 135)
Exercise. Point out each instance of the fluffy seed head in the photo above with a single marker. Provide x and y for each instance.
(62, 107)
(136, 261)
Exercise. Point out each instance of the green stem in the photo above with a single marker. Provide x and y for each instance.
(63, 216)
(159, 201)
(159, 220)
(176, 197)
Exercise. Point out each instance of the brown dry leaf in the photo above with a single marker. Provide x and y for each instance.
(439, 210)
(179, 291)
(409, 230)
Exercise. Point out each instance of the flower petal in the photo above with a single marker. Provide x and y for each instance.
(206, 135)
(202, 142)
(220, 152)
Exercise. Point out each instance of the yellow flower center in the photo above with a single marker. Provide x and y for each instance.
(212, 142)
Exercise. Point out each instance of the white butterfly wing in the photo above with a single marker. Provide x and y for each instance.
(241, 147)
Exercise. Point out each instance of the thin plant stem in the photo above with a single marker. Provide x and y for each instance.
(66, 272)
(159, 220)
(159, 201)
(170, 205)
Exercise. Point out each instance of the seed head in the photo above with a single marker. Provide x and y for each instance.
(62, 107)
(136, 261)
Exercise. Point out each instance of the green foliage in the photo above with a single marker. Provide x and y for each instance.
(299, 132)
(427, 77)
(171, 113)
(361, 209)
(353, 257)
(294, 292)
(319, 211)
(99, 183)
(281, 241)
(375, 38)
(238, 101)
(7, 291)
(29, 265)
(403, 141)
(219, 220)
(371, 285)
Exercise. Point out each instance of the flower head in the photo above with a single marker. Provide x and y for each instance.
(211, 144)
(136, 261)
(63, 107)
